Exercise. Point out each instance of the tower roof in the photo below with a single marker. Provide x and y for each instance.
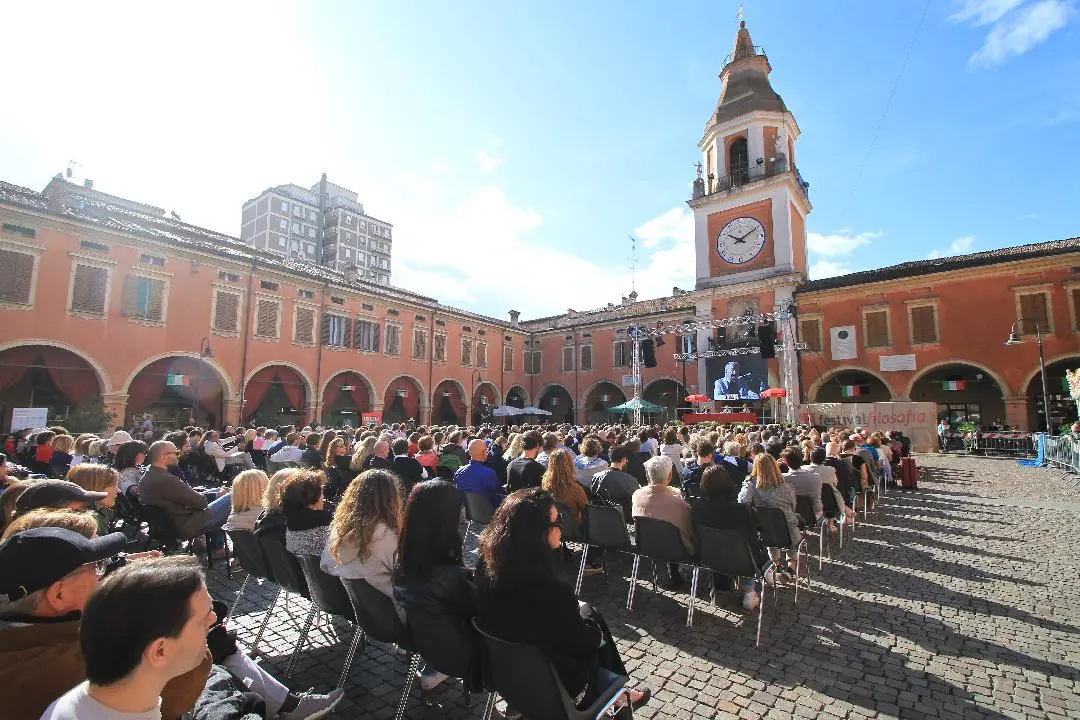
(746, 85)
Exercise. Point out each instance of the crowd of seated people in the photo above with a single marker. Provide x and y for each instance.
(383, 505)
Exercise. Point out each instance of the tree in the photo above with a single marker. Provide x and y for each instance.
(90, 416)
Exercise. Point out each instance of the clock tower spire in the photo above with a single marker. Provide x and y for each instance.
(750, 202)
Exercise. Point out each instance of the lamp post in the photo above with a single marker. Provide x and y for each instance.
(205, 353)
(1014, 339)
(476, 378)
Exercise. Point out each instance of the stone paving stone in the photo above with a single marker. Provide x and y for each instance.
(952, 602)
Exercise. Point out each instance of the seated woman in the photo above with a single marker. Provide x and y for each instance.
(307, 522)
(522, 598)
(426, 454)
(98, 478)
(271, 523)
(766, 487)
(61, 456)
(248, 489)
(430, 572)
(561, 481)
(589, 462)
(211, 445)
(659, 501)
(129, 460)
(718, 507)
(364, 532)
(336, 466)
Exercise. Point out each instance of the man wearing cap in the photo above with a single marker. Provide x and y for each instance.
(56, 494)
(46, 576)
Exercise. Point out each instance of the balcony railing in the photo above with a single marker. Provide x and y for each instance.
(755, 173)
(745, 53)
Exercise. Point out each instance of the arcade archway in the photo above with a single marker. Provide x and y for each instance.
(667, 393)
(962, 392)
(1062, 406)
(599, 398)
(346, 397)
(516, 397)
(448, 403)
(43, 376)
(851, 385)
(276, 395)
(485, 400)
(401, 399)
(558, 401)
(177, 391)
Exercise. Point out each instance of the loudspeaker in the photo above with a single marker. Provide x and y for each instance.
(767, 339)
(648, 353)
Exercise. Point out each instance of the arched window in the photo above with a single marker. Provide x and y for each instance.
(738, 161)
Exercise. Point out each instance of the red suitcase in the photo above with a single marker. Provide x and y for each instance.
(909, 474)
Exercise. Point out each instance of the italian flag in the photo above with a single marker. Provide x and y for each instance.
(953, 384)
(850, 391)
(174, 379)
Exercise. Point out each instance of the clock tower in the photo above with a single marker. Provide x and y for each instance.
(749, 200)
(750, 206)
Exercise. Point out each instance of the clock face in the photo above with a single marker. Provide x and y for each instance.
(741, 240)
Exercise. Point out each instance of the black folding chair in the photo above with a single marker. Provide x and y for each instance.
(290, 577)
(604, 528)
(253, 560)
(527, 680)
(834, 513)
(478, 510)
(777, 534)
(571, 531)
(330, 597)
(659, 541)
(376, 617)
(729, 553)
(804, 508)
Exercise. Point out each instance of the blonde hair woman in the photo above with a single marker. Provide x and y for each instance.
(68, 518)
(517, 446)
(98, 478)
(248, 489)
(363, 539)
(82, 448)
(560, 479)
(363, 451)
(272, 521)
(769, 489)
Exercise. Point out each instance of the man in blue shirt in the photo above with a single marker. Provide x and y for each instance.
(476, 477)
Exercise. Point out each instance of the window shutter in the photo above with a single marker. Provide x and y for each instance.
(567, 358)
(481, 355)
(811, 334)
(88, 292)
(129, 302)
(1033, 309)
(586, 357)
(155, 306)
(325, 329)
(347, 335)
(922, 324)
(375, 337)
(16, 273)
(266, 319)
(225, 314)
(1076, 308)
(508, 359)
(305, 323)
(439, 351)
(877, 329)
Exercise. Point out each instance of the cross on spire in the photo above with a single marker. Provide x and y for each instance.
(740, 15)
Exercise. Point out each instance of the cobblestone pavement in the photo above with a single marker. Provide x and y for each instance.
(943, 605)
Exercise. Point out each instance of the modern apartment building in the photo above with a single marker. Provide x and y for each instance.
(325, 224)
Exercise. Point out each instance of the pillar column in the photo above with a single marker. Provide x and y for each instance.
(1016, 412)
(115, 409)
(378, 408)
(231, 411)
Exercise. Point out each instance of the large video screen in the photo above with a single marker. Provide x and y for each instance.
(737, 377)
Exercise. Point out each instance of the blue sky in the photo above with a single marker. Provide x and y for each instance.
(515, 146)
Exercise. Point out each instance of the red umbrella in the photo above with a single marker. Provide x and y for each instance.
(773, 393)
(697, 399)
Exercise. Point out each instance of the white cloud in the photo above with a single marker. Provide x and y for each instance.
(488, 158)
(1016, 29)
(828, 268)
(842, 242)
(675, 223)
(983, 12)
(959, 246)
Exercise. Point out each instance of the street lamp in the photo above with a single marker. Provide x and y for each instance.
(1014, 339)
(205, 353)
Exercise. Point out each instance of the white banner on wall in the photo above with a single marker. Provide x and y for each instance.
(895, 363)
(22, 418)
(917, 420)
(842, 342)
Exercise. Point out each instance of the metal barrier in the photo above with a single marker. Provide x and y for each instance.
(1062, 452)
(992, 443)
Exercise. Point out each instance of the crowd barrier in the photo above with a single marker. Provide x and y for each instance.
(993, 442)
(1062, 452)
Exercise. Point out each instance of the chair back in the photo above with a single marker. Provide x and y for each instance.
(478, 508)
(327, 592)
(726, 552)
(284, 566)
(249, 552)
(375, 613)
(659, 540)
(162, 527)
(605, 527)
(447, 643)
(525, 678)
(570, 528)
(828, 502)
(774, 527)
(804, 508)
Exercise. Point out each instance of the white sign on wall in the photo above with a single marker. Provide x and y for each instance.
(896, 363)
(842, 342)
(22, 418)
(628, 381)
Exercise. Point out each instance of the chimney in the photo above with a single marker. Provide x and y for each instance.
(515, 316)
(633, 296)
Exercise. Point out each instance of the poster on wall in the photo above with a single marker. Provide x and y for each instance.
(842, 342)
(739, 377)
(23, 418)
(917, 420)
(896, 363)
